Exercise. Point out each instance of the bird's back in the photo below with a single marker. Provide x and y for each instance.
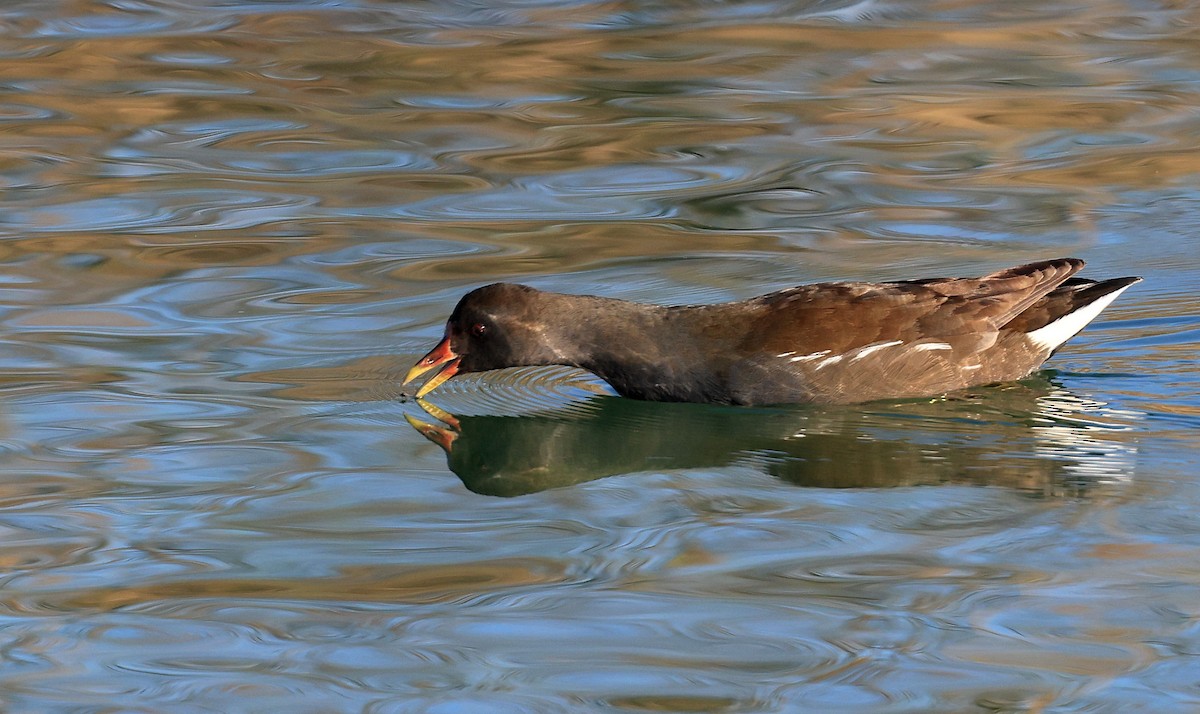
(852, 342)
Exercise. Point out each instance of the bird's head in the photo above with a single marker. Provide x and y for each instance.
(492, 327)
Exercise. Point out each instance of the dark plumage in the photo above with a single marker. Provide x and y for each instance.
(822, 343)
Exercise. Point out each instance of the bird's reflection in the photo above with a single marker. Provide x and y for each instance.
(1031, 436)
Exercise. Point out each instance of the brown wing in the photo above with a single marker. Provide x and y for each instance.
(839, 317)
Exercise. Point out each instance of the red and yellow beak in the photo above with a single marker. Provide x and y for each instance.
(441, 355)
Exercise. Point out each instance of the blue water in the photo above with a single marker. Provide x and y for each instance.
(228, 229)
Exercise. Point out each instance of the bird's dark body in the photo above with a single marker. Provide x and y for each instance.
(822, 343)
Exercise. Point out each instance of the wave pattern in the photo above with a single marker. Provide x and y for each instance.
(228, 229)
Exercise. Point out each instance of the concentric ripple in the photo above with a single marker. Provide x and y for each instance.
(524, 390)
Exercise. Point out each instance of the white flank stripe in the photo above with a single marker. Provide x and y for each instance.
(864, 351)
(1064, 328)
(785, 354)
(933, 346)
(829, 360)
(806, 358)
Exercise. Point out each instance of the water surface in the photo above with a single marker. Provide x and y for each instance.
(227, 229)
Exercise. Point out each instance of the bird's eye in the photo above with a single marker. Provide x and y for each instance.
(479, 329)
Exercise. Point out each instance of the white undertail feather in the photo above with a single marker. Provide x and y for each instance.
(1052, 336)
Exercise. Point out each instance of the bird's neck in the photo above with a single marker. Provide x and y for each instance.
(642, 351)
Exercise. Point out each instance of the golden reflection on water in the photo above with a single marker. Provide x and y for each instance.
(228, 228)
(429, 584)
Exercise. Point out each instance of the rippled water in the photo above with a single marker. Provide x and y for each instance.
(229, 228)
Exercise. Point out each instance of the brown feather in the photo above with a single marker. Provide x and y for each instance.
(829, 342)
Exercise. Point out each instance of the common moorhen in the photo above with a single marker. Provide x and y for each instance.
(826, 343)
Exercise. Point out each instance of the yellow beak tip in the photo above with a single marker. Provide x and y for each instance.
(436, 380)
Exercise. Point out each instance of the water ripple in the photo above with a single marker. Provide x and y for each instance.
(521, 391)
(229, 228)
(207, 209)
(519, 204)
(256, 160)
(129, 24)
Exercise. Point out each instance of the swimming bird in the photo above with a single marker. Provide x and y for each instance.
(823, 343)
